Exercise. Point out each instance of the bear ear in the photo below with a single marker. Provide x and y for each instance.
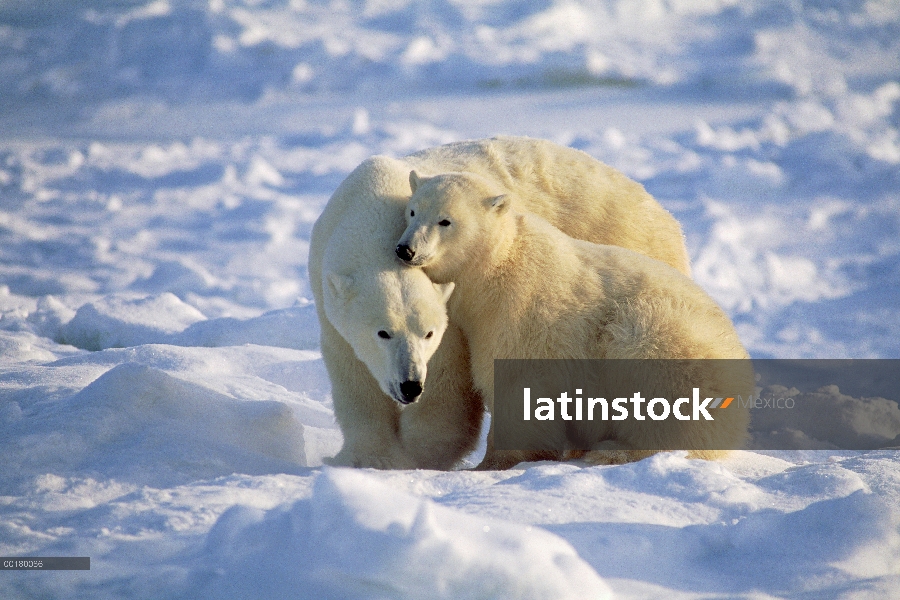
(445, 290)
(499, 203)
(414, 180)
(340, 286)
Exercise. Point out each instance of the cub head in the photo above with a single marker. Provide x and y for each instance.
(451, 219)
(394, 321)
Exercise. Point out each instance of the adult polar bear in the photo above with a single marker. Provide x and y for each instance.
(376, 314)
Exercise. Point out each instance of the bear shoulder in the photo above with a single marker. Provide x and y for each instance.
(362, 220)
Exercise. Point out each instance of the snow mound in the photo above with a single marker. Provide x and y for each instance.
(778, 554)
(296, 327)
(357, 537)
(139, 424)
(115, 322)
(863, 541)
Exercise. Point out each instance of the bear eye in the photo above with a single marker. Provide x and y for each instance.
(412, 213)
(384, 335)
(428, 335)
(444, 223)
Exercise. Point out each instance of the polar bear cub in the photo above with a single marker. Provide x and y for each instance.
(524, 289)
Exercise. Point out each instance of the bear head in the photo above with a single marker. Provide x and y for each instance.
(451, 221)
(394, 321)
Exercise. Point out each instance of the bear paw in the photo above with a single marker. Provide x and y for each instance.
(370, 460)
(500, 460)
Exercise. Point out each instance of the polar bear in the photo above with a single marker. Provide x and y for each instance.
(524, 289)
(383, 328)
(363, 293)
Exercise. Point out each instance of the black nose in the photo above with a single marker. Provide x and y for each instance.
(411, 390)
(404, 252)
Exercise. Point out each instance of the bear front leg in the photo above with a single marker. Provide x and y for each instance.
(443, 426)
(369, 419)
(614, 452)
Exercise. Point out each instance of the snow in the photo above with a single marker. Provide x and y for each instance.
(164, 408)
(417, 549)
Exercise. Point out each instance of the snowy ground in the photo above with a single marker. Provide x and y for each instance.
(163, 404)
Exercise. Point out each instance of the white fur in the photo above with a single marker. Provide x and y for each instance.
(527, 290)
(393, 320)
(360, 288)
(583, 197)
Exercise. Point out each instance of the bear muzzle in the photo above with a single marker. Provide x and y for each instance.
(405, 253)
(410, 390)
